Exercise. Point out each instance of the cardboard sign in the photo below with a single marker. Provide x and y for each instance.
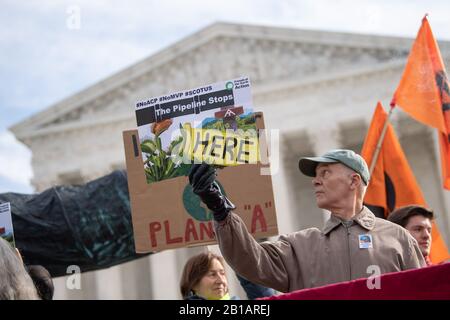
(168, 215)
(6, 226)
(213, 124)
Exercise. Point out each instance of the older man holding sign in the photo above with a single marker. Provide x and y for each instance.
(353, 244)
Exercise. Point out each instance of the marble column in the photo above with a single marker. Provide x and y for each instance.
(108, 283)
(164, 275)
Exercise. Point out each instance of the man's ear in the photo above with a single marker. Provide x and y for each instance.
(355, 181)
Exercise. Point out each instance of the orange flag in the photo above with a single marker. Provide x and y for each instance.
(392, 183)
(424, 94)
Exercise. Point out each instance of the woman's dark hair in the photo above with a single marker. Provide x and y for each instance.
(195, 269)
(42, 281)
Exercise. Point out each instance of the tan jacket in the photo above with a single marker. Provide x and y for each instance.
(311, 258)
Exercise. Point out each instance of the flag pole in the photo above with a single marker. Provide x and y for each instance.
(380, 141)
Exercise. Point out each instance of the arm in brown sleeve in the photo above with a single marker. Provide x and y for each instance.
(263, 263)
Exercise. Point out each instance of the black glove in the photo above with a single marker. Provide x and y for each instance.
(202, 178)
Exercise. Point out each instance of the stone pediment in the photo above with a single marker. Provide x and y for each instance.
(219, 52)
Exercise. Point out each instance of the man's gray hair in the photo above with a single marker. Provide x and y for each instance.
(15, 283)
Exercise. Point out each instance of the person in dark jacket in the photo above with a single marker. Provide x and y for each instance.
(253, 290)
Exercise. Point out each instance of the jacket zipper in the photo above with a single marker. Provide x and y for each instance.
(348, 252)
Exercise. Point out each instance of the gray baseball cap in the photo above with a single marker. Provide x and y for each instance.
(348, 158)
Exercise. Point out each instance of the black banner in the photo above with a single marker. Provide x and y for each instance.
(217, 99)
(183, 107)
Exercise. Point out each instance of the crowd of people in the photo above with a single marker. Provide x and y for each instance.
(352, 239)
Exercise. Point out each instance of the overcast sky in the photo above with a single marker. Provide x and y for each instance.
(45, 57)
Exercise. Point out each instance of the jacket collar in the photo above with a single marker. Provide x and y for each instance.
(365, 219)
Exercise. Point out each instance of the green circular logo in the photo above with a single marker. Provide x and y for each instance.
(194, 206)
(229, 85)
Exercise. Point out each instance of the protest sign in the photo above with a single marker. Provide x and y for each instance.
(168, 215)
(6, 226)
(213, 124)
